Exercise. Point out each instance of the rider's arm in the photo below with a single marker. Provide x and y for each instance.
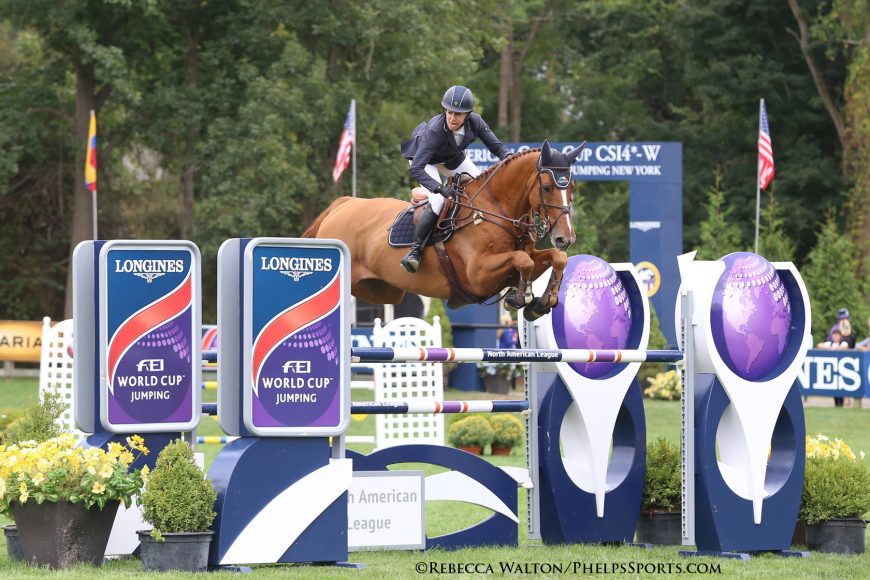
(489, 139)
(426, 148)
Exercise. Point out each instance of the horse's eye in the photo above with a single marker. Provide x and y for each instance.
(548, 188)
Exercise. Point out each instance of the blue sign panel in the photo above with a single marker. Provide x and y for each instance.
(654, 171)
(294, 338)
(150, 360)
(835, 373)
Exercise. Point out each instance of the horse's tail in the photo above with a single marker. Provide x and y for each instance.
(311, 232)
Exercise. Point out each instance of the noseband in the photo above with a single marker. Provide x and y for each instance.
(540, 217)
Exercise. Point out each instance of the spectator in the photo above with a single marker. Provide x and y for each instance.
(865, 344)
(835, 343)
(507, 335)
(842, 314)
(846, 333)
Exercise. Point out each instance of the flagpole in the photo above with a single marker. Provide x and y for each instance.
(757, 181)
(353, 151)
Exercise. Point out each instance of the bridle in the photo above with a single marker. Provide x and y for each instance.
(538, 225)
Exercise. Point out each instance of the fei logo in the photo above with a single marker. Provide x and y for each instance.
(149, 270)
(154, 365)
(295, 267)
(297, 367)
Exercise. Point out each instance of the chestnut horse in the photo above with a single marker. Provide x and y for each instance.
(502, 214)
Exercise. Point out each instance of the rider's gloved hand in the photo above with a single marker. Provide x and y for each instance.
(447, 190)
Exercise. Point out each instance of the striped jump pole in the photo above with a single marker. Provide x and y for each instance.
(438, 407)
(421, 407)
(414, 354)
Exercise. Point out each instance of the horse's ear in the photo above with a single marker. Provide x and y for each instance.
(546, 153)
(572, 155)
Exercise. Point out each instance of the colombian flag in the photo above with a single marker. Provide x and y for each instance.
(91, 158)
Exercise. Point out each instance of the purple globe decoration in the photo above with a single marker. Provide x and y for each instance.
(750, 316)
(594, 312)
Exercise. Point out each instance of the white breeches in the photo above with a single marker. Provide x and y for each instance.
(436, 200)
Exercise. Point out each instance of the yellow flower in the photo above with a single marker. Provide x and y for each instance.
(106, 471)
(98, 488)
(38, 479)
(115, 448)
(126, 458)
(23, 497)
(2, 488)
(145, 471)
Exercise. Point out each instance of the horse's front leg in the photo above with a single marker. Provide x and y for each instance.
(544, 259)
(484, 268)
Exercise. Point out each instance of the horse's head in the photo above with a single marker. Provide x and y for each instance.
(550, 199)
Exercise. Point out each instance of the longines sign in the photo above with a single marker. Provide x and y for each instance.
(843, 373)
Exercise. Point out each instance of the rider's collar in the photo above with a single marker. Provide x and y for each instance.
(561, 175)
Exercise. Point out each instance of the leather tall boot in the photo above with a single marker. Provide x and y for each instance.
(421, 235)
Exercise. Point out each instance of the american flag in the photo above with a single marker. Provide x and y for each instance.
(765, 150)
(342, 158)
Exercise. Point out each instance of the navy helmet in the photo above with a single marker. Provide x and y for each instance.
(458, 99)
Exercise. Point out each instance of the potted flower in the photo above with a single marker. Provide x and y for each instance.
(836, 496)
(470, 434)
(498, 377)
(178, 502)
(665, 386)
(64, 497)
(38, 422)
(508, 432)
(659, 521)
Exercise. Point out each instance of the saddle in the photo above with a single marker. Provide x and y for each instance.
(402, 230)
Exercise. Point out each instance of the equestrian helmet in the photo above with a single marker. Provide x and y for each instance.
(458, 99)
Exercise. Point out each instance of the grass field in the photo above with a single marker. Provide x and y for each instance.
(531, 557)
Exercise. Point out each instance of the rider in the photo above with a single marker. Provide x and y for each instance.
(436, 146)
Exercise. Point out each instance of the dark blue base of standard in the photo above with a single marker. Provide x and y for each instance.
(568, 513)
(250, 472)
(497, 530)
(724, 521)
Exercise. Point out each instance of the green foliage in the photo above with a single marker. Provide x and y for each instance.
(830, 279)
(178, 497)
(472, 430)
(436, 308)
(719, 236)
(834, 488)
(662, 486)
(665, 386)
(773, 241)
(7, 418)
(657, 341)
(508, 430)
(39, 421)
(504, 369)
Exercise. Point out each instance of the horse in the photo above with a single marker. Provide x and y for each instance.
(502, 214)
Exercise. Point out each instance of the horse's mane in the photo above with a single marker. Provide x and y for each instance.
(507, 161)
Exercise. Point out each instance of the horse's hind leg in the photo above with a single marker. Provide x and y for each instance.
(544, 259)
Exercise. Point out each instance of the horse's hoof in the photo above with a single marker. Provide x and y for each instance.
(535, 310)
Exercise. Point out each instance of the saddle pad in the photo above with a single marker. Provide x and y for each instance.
(402, 230)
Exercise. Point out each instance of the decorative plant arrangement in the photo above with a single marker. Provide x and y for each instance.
(179, 502)
(63, 496)
(499, 377)
(836, 496)
(665, 386)
(659, 521)
(508, 432)
(471, 434)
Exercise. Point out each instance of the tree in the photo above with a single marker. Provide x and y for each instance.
(773, 242)
(830, 278)
(718, 235)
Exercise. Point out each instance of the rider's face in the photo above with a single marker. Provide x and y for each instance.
(455, 120)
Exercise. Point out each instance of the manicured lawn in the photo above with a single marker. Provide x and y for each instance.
(663, 418)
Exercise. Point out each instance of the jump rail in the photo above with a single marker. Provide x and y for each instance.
(421, 407)
(384, 355)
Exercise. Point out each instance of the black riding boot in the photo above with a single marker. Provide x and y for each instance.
(422, 231)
